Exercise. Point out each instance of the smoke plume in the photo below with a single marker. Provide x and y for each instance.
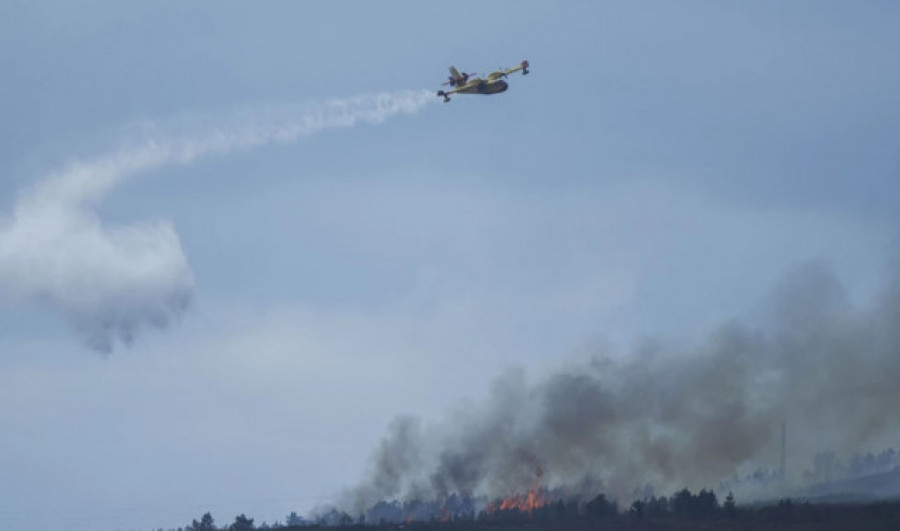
(667, 416)
(111, 280)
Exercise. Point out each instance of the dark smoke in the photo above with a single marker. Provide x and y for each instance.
(669, 417)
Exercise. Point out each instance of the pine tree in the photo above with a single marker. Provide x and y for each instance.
(729, 507)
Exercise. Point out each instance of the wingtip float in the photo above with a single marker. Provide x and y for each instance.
(494, 83)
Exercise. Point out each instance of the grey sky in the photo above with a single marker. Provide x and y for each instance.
(663, 167)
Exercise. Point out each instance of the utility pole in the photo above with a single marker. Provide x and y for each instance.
(781, 469)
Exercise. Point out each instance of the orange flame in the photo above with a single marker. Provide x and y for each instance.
(525, 503)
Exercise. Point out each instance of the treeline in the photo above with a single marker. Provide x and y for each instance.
(684, 504)
(683, 508)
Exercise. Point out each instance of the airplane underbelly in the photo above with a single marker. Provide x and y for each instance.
(494, 88)
(484, 87)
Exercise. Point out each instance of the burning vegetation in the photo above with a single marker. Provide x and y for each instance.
(539, 504)
(524, 503)
(682, 510)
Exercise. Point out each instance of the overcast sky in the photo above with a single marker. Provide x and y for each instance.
(218, 285)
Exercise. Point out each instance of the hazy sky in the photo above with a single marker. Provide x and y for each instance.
(293, 272)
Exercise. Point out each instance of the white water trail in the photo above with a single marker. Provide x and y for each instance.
(110, 280)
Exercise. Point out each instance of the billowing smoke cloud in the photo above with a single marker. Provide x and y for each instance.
(110, 280)
(669, 417)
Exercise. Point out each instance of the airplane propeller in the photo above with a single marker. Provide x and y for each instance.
(464, 77)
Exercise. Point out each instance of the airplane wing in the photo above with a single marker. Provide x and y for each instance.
(497, 74)
(523, 66)
(446, 93)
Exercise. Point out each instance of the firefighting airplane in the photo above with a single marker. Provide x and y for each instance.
(494, 83)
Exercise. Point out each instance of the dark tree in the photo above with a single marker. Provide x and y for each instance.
(294, 519)
(600, 507)
(242, 523)
(730, 507)
(785, 510)
(637, 508)
(682, 503)
(706, 503)
(657, 506)
(206, 523)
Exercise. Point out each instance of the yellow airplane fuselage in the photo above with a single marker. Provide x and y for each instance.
(480, 86)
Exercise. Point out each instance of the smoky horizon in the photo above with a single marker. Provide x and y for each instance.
(753, 410)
